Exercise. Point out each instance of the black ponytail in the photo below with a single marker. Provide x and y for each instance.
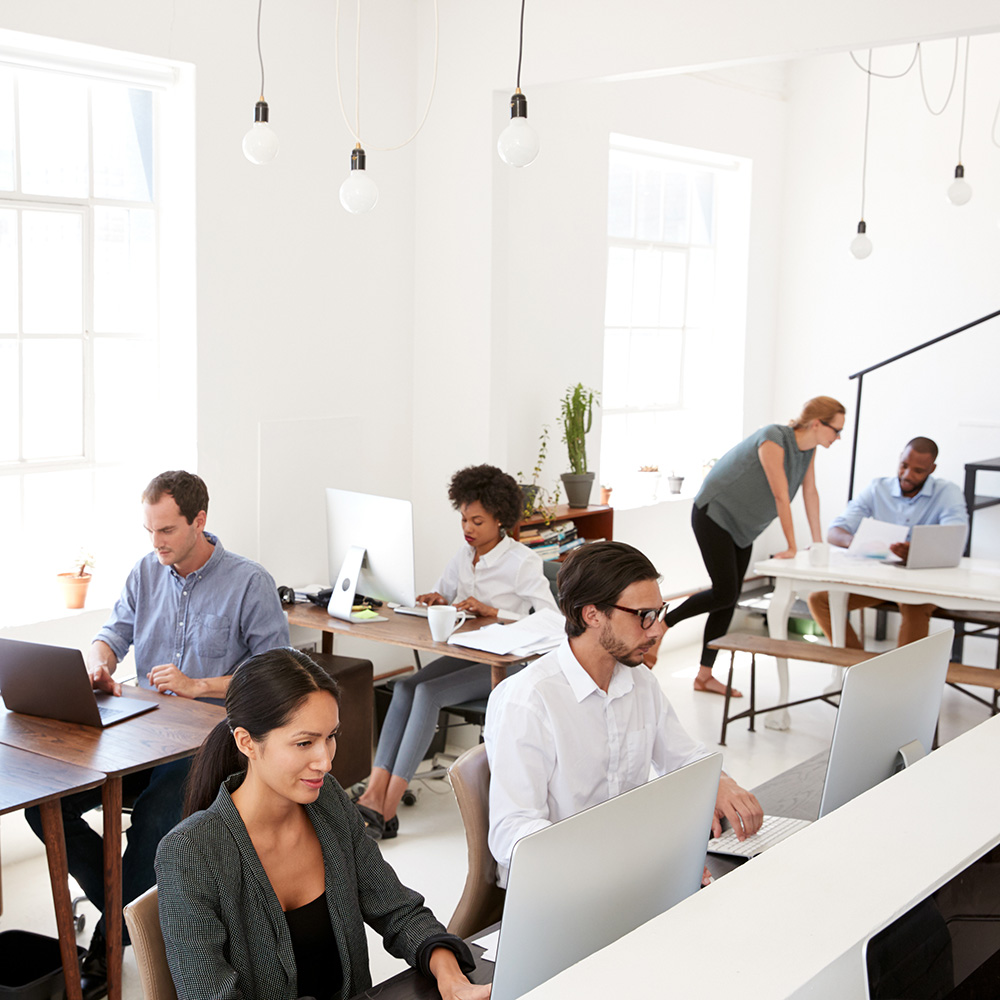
(263, 693)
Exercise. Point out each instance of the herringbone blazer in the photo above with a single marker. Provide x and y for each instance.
(225, 933)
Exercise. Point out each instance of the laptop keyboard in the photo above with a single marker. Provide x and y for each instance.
(773, 830)
(111, 714)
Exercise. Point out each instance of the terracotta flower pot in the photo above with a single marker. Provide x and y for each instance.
(74, 588)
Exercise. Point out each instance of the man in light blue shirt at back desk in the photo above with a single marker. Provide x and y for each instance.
(911, 497)
(193, 612)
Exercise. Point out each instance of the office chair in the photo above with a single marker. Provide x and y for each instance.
(482, 899)
(142, 917)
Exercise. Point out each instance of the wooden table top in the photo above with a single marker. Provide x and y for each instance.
(30, 779)
(173, 730)
(408, 631)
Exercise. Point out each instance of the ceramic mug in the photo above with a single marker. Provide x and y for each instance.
(443, 620)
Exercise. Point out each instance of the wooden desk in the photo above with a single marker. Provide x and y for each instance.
(973, 585)
(408, 631)
(796, 792)
(30, 779)
(174, 730)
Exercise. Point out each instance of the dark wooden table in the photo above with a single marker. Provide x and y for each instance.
(174, 730)
(32, 780)
(795, 792)
(409, 631)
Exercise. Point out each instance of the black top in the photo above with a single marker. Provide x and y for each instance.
(317, 959)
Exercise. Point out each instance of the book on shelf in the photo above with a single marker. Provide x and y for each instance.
(573, 543)
(547, 552)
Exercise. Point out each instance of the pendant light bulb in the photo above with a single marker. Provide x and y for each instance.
(518, 142)
(358, 193)
(260, 144)
(861, 246)
(959, 191)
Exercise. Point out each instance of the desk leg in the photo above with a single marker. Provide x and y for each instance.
(326, 642)
(55, 851)
(777, 628)
(111, 803)
(838, 628)
(498, 672)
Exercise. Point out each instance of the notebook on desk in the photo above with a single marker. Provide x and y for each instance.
(888, 704)
(576, 886)
(52, 682)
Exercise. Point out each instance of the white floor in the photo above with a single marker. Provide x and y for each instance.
(429, 853)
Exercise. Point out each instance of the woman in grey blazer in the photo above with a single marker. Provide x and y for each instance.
(265, 887)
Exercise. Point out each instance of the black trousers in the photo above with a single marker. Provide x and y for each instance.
(727, 564)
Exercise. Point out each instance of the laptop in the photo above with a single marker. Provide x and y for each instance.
(53, 683)
(888, 713)
(580, 884)
(935, 546)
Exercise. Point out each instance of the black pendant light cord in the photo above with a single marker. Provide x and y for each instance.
(520, 47)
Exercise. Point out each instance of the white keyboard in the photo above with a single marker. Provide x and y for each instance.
(420, 611)
(773, 830)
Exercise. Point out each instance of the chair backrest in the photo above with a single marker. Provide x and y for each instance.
(142, 916)
(482, 899)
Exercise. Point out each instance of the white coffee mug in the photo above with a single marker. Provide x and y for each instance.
(819, 554)
(443, 620)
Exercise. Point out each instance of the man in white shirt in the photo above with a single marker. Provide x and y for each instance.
(579, 725)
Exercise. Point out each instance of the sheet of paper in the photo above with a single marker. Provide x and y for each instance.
(542, 630)
(873, 538)
(489, 942)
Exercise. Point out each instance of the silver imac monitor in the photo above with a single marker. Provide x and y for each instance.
(370, 547)
(888, 713)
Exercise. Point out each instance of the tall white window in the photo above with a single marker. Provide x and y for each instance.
(83, 260)
(678, 223)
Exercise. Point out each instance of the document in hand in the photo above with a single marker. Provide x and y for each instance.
(537, 633)
(873, 538)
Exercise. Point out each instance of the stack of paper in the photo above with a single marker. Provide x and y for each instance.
(873, 539)
(533, 634)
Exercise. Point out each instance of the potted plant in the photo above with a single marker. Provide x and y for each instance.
(606, 494)
(649, 476)
(576, 419)
(536, 497)
(74, 585)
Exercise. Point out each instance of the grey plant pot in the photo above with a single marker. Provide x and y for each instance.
(578, 488)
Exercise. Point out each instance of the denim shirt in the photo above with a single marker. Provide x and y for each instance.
(205, 624)
(937, 502)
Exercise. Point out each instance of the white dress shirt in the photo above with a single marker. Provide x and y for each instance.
(558, 744)
(509, 578)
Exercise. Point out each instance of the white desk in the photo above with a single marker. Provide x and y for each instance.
(792, 922)
(973, 585)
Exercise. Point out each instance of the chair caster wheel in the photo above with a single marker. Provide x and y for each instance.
(409, 798)
(79, 919)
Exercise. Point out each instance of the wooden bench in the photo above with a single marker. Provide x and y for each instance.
(742, 642)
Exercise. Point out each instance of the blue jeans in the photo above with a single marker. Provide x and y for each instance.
(158, 797)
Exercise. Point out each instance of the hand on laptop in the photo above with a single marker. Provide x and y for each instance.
(101, 680)
(900, 549)
(739, 806)
(166, 677)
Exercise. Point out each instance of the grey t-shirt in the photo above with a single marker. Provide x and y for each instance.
(736, 491)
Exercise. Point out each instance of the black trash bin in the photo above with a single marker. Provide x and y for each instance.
(31, 966)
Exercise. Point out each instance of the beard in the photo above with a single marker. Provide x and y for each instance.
(631, 656)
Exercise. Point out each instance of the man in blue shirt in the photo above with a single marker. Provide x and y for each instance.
(912, 497)
(193, 612)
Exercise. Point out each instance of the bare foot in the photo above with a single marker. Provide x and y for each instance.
(712, 686)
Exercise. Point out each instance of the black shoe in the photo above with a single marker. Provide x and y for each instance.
(374, 823)
(94, 969)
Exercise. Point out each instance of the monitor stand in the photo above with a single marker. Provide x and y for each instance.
(908, 755)
(342, 598)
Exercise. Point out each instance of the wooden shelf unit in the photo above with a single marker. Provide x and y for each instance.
(593, 522)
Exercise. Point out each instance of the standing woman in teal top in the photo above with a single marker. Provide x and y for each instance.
(740, 497)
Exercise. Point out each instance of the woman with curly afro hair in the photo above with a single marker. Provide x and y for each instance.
(491, 575)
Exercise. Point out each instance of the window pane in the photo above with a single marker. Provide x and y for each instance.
(53, 272)
(656, 372)
(646, 289)
(618, 304)
(8, 270)
(616, 369)
(58, 511)
(621, 182)
(701, 287)
(53, 398)
(8, 402)
(672, 288)
(124, 271)
(703, 208)
(123, 142)
(675, 208)
(6, 130)
(649, 201)
(122, 373)
(53, 125)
